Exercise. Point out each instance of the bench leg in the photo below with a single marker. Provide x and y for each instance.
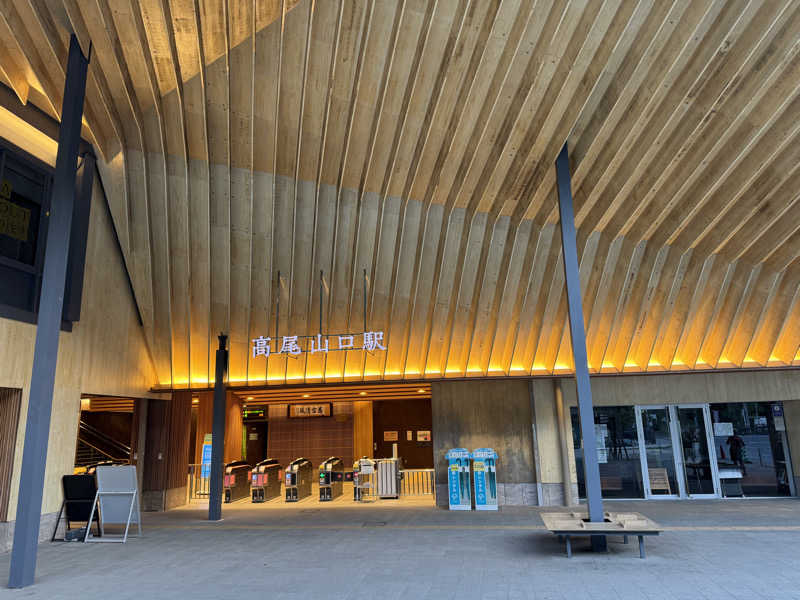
(569, 547)
(641, 546)
(624, 539)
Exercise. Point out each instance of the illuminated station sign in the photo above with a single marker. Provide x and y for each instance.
(293, 345)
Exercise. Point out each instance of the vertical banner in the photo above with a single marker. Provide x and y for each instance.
(458, 484)
(205, 457)
(484, 473)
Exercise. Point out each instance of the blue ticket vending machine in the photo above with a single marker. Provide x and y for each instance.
(484, 472)
(458, 486)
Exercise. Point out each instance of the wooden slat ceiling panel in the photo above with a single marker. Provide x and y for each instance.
(413, 141)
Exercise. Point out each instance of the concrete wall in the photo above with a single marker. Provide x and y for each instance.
(105, 354)
(491, 413)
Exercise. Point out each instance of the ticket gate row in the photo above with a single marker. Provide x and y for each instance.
(371, 479)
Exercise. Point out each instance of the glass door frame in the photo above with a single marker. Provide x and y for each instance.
(712, 451)
(648, 494)
(677, 451)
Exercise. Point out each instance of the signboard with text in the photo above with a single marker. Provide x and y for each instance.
(293, 345)
(301, 411)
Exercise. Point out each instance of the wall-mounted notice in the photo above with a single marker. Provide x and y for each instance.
(390, 436)
(723, 429)
(601, 433)
(309, 410)
(423, 436)
(409, 436)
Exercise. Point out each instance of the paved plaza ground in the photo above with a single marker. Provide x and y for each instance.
(734, 549)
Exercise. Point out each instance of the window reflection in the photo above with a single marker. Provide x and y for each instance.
(617, 451)
(751, 450)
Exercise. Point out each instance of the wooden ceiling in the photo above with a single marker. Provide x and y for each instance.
(415, 140)
(336, 393)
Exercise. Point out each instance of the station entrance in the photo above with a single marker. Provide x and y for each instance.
(324, 445)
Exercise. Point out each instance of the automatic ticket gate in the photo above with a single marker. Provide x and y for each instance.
(236, 481)
(265, 482)
(331, 479)
(298, 479)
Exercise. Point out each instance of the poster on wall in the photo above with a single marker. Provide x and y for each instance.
(390, 436)
(723, 429)
(600, 434)
(423, 436)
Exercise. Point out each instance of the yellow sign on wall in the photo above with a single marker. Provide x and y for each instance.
(14, 219)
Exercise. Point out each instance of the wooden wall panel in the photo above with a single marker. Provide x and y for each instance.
(10, 400)
(167, 442)
(204, 418)
(233, 428)
(315, 438)
(362, 428)
(233, 425)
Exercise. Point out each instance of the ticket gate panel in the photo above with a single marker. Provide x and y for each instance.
(331, 479)
(265, 481)
(298, 479)
(236, 481)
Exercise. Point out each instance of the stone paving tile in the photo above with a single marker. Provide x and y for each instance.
(360, 553)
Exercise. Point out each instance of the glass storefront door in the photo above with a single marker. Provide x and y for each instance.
(698, 460)
(656, 439)
(677, 458)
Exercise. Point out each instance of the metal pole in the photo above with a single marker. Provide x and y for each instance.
(40, 398)
(569, 250)
(218, 433)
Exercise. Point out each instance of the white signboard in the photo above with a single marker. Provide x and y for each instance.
(294, 345)
(723, 429)
(601, 433)
(117, 499)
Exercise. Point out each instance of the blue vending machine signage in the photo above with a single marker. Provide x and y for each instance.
(205, 460)
(458, 486)
(484, 472)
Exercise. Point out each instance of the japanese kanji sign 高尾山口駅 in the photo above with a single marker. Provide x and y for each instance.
(291, 344)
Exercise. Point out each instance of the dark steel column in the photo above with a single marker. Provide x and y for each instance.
(40, 398)
(218, 433)
(569, 250)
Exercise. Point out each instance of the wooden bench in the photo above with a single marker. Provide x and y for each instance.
(567, 525)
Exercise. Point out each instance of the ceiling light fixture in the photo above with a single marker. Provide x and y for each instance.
(362, 393)
(305, 395)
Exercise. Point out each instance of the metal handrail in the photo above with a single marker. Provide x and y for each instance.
(103, 452)
(84, 426)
